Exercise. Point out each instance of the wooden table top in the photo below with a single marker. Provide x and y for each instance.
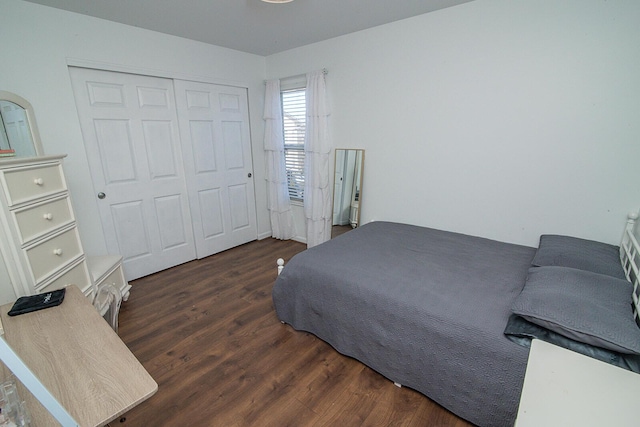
(79, 359)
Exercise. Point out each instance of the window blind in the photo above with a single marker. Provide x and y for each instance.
(294, 114)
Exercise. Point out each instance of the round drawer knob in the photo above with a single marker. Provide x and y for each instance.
(57, 251)
(38, 181)
(48, 216)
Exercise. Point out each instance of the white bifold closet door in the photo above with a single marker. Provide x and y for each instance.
(143, 184)
(214, 128)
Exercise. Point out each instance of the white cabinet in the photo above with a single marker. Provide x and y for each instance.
(39, 240)
(565, 388)
(108, 270)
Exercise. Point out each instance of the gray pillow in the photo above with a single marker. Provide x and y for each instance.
(589, 255)
(588, 307)
(522, 332)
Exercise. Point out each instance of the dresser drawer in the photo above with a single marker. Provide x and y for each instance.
(25, 184)
(53, 254)
(38, 220)
(116, 278)
(77, 275)
(108, 269)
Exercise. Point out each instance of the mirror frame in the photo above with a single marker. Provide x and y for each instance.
(333, 195)
(31, 117)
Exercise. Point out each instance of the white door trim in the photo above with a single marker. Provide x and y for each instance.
(173, 75)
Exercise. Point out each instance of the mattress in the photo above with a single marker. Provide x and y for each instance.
(425, 308)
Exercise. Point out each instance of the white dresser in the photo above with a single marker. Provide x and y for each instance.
(39, 240)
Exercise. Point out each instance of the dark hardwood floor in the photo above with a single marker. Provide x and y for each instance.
(208, 334)
(337, 230)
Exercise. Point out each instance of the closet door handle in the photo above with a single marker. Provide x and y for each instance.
(249, 175)
(101, 195)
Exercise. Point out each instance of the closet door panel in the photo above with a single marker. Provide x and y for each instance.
(204, 155)
(233, 149)
(238, 204)
(210, 203)
(130, 127)
(116, 154)
(214, 125)
(160, 156)
(132, 233)
(168, 211)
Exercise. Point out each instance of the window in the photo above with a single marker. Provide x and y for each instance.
(294, 118)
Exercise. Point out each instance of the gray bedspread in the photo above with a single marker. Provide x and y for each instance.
(423, 307)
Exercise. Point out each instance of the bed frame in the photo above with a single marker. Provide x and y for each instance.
(629, 257)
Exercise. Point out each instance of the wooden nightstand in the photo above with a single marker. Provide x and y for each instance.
(564, 388)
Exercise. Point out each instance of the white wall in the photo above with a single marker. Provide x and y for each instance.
(39, 42)
(504, 119)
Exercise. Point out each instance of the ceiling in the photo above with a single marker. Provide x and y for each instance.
(251, 25)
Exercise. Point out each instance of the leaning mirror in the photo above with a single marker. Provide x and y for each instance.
(347, 191)
(19, 135)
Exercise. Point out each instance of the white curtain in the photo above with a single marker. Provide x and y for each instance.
(317, 145)
(282, 226)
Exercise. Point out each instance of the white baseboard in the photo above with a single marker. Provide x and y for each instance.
(300, 239)
(264, 235)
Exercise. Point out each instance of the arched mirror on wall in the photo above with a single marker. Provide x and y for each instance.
(347, 191)
(19, 135)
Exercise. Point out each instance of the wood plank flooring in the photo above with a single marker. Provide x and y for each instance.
(208, 334)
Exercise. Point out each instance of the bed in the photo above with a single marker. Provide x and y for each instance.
(429, 309)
